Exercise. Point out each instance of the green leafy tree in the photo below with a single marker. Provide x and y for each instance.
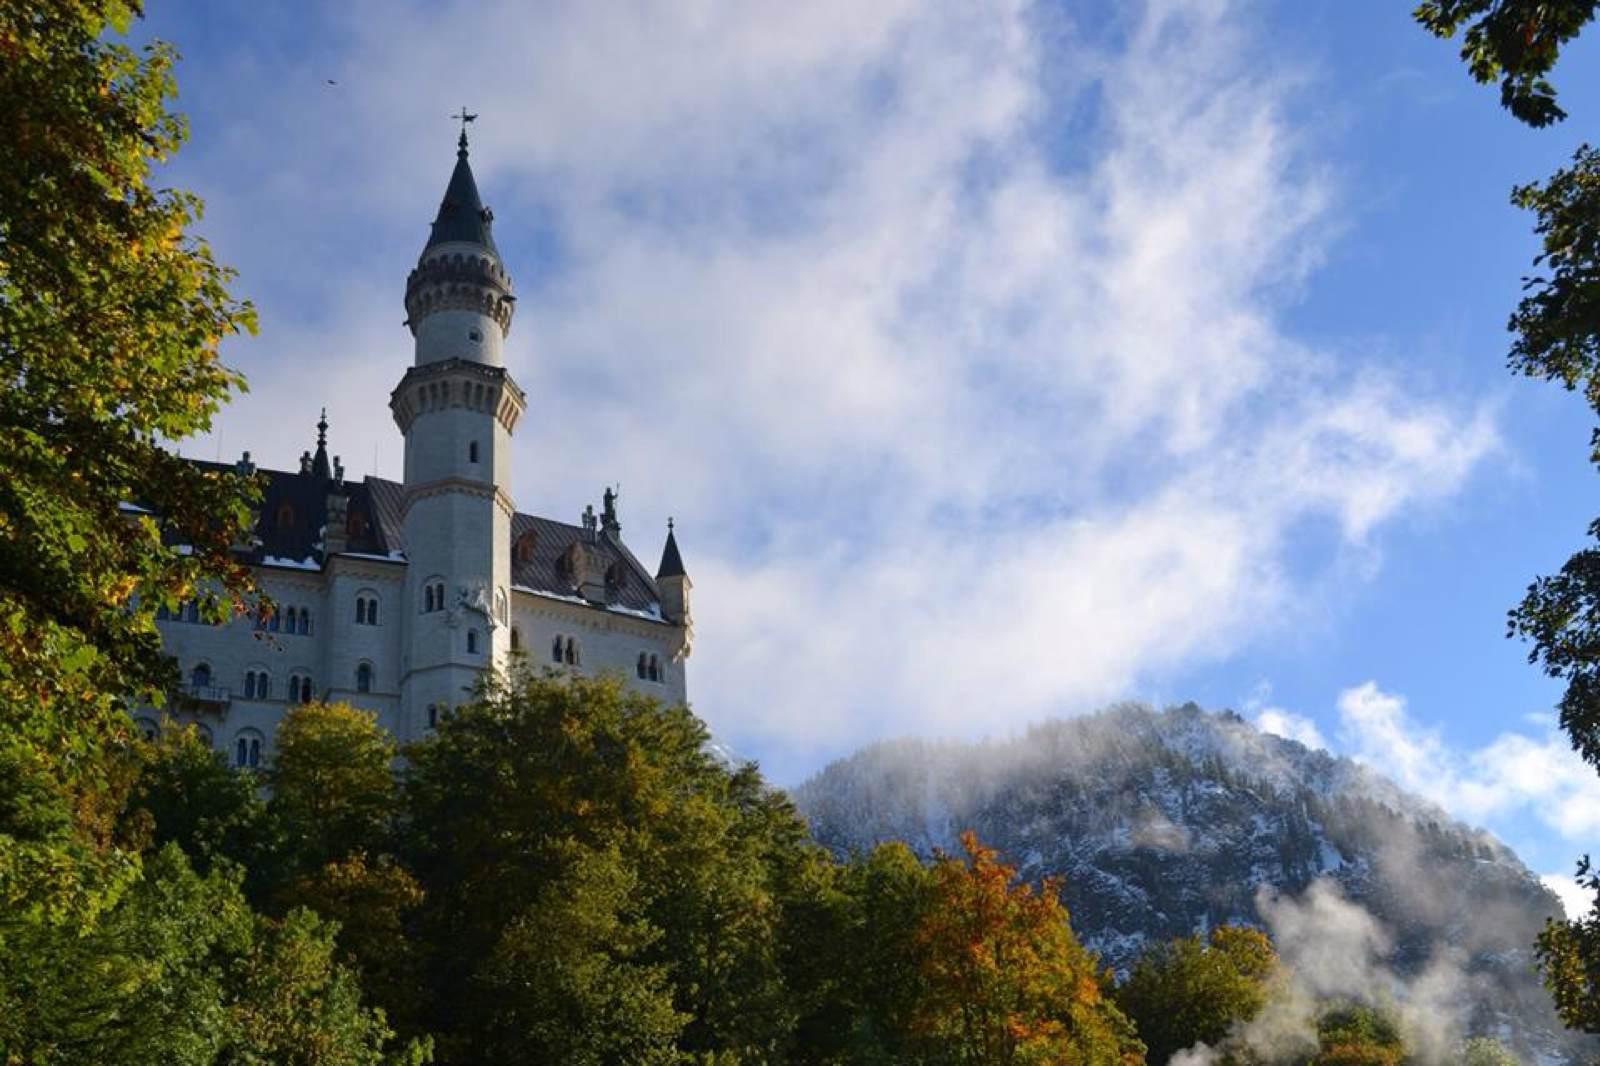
(370, 899)
(110, 319)
(869, 949)
(1188, 991)
(187, 794)
(333, 784)
(1358, 1036)
(549, 783)
(180, 971)
(568, 979)
(1514, 42)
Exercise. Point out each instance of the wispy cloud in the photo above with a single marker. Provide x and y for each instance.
(1515, 773)
(963, 425)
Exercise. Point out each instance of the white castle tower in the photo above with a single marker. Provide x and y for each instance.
(457, 408)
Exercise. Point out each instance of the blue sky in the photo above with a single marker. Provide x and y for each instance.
(998, 360)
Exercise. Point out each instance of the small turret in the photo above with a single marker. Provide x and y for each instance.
(672, 580)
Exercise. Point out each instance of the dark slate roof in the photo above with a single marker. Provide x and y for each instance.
(289, 529)
(671, 561)
(462, 216)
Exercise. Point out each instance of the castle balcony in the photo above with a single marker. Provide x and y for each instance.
(209, 698)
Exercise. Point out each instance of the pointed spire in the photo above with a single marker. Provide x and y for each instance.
(319, 462)
(462, 216)
(671, 561)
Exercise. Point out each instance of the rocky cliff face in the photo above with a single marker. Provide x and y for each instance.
(1165, 823)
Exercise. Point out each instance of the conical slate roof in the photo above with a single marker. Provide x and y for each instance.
(462, 216)
(671, 561)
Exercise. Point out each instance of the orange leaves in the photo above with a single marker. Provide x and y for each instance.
(1004, 979)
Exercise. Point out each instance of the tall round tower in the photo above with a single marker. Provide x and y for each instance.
(457, 408)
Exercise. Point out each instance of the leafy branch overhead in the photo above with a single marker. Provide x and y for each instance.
(1514, 42)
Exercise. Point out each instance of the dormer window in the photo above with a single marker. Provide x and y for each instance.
(525, 546)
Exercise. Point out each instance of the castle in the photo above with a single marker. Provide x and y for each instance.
(397, 597)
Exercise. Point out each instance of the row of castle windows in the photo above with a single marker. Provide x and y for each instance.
(258, 683)
(292, 620)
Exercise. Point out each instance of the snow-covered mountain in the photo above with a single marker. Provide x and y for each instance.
(1165, 823)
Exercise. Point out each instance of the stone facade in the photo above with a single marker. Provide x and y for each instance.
(397, 597)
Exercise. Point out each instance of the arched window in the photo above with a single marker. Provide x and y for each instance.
(572, 652)
(472, 452)
(305, 621)
(272, 622)
(300, 690)
(285, 516)
(438, 595)
(644, 666)
(433, 715)
(257, 685)
(289, 618)
(191, 611)
(200, 677)
(364, 677)
(555, 650)
(655, 668)
(427, 599)
(472, 642)
(516, 639)
(147, 728)
(372, 610)
(247, 749)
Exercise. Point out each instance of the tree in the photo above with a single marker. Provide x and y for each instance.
(187, 794)
(1006, 980)
(110, 318)
(333, 784)
(1188, 991)
(180, 971)
(1358, 1036)
(553, 796)
(1569, 955)
(1556, 329)
(1514, 41)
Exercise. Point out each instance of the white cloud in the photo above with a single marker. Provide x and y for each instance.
(1576, 900)
(1291, 726)
(1514, 773)
(961, 427)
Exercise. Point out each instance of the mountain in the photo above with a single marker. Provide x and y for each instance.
(1160, 824)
